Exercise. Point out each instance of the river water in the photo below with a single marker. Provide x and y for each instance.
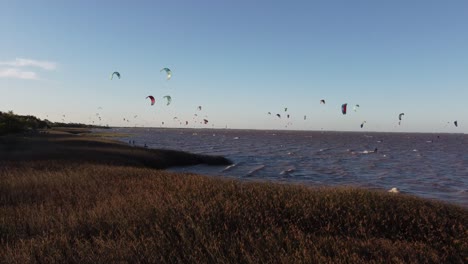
(433, 166)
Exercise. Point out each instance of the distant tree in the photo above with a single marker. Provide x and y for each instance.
(11, 123)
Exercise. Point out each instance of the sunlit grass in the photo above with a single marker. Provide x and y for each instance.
(99, 213)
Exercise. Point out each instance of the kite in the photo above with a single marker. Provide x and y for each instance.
(116, 74)
(322, 101)
(168, 73)
(455, 123)
(152, 99)
(278, 115)
(343, 108)
(169, 99)
(399, 118)
(356, 107)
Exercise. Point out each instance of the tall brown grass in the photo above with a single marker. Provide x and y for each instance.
(56, 212)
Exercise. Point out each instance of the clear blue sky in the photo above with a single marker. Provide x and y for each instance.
(239, 60)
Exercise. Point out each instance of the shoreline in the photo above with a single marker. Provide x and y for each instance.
(73, 199)
(84, 146)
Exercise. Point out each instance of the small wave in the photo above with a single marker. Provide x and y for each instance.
(228, 168)
(288, 171)
(367, 151)
(254, 170)
(236, 138)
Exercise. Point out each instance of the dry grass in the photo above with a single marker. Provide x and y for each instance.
(88, 212)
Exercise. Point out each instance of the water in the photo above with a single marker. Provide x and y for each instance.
(433, 166)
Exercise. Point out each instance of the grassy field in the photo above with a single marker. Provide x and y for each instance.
(61, 202)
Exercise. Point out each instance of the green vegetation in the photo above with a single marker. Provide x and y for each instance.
(68, 198)
(11, 123)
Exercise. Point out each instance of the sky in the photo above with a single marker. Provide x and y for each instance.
(239, 60)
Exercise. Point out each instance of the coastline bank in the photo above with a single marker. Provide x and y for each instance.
(78, 145)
